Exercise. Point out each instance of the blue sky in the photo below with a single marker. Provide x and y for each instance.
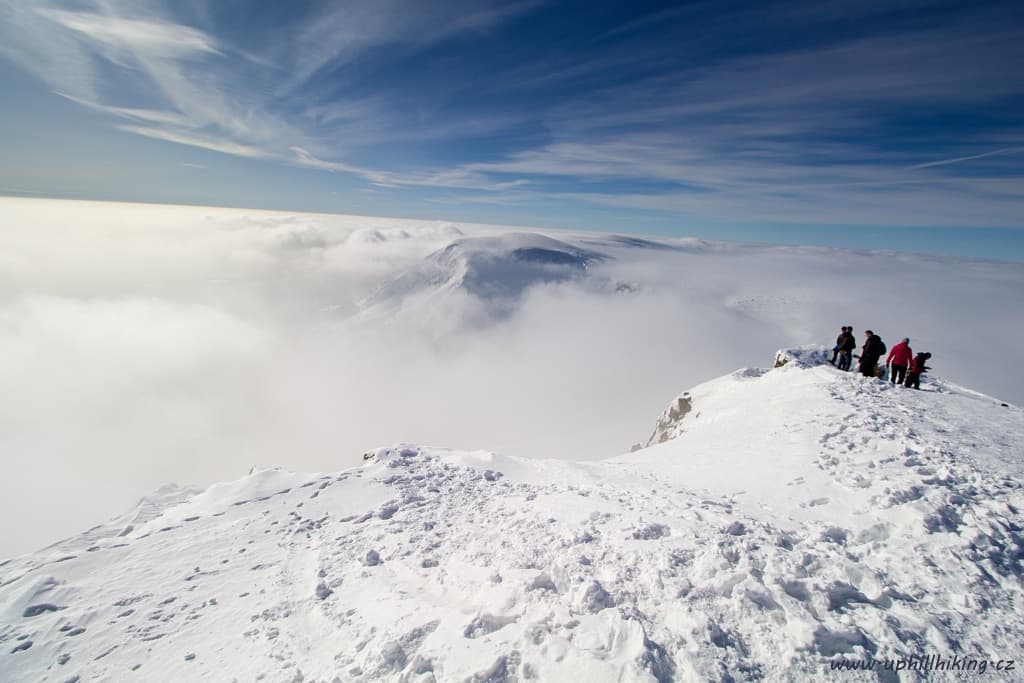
(873, 123)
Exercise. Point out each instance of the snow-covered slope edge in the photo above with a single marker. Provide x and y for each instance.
(797, 515)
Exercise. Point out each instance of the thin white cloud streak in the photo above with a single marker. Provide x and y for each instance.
(972, 157)
(158, 39)
(302, 157)
(456, 178)
(149, 115)
(225, 147)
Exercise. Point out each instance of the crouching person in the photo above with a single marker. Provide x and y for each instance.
(917, 368)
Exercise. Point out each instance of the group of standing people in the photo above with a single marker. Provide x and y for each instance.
(904, 367)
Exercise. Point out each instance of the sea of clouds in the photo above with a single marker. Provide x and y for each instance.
(147, 344)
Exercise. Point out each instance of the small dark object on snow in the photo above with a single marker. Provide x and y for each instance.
(36, 610)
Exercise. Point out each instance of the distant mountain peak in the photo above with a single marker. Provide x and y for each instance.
(497, 269)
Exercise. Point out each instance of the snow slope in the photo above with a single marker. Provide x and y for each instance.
(789, 517)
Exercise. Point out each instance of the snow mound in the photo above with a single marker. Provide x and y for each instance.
(497, 269)
(804, 356)
(791, 517)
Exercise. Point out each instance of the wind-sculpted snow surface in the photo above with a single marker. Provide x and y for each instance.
(798, 515)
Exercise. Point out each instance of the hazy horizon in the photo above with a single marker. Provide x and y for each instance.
(997, 244)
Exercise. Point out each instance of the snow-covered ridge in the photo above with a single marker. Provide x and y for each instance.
(670, 422)
(791, 516)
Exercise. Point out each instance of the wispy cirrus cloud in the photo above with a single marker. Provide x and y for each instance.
(197, 84)
(455, 178)
(971, 157)
(159, 39)
(338, 33)
(149, 115)
(822, 133)
(704, 110)
(155, 60)
(213, 144)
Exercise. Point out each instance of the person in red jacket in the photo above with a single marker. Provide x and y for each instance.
(899, 358)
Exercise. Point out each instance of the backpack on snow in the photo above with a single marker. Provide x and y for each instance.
(918, 365)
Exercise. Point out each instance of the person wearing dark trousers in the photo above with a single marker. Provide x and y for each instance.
(839, 342)
(872, 350)
(917, 368)
(847, 343)
(899, 358)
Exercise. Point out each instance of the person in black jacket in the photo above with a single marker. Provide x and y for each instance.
(872, 350)
(846, 344)
(835, 349)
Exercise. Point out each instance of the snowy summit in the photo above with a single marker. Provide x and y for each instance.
(495, 270)
(777, 521)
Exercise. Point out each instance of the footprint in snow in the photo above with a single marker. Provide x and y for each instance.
(42, 608)
(736, 529)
